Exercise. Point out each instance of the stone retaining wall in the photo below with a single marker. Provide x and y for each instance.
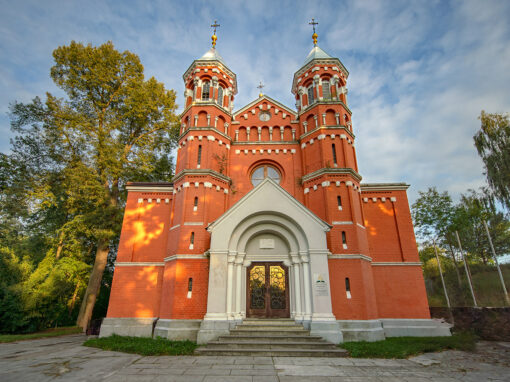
(488, 323)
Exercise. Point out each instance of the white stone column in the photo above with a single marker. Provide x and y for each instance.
(230, 282)
(315, 119)
(297, 287)
(337, 118)
(215, 122)
(260, 133)
(307, 286)
(270, 133)
(239, 268)
(282, 129)
(305, 126)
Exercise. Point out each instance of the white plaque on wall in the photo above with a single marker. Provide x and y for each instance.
(266, 244)
(320, 285)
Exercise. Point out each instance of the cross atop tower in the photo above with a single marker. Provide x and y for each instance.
(214, 37)
(260, 86)
(313, 23)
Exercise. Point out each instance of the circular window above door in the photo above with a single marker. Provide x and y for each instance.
(263, 172)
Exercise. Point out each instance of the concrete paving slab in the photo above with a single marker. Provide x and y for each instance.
(65, 359)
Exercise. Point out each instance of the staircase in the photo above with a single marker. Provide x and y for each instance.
(271, 337)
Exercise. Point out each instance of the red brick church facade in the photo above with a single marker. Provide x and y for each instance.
(267, 217)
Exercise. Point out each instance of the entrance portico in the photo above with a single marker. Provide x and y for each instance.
(269, 225)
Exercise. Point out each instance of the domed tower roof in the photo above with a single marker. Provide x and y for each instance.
(212, 55)
(316, 53)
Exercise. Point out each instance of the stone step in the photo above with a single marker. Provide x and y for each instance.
(256, 352)
(274, 339)
(271, 328)
(269, 322)
(245, 332)
(267, 345)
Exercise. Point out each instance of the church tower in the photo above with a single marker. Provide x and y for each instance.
(331, 184)
(201, 185)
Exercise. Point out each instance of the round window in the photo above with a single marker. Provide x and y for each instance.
(263, 172)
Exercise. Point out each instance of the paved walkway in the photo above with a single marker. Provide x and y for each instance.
(64, 359)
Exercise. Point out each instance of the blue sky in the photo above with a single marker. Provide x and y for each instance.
(420, 71)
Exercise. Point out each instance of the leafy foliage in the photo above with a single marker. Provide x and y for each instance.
(62, 187)
(493, 145)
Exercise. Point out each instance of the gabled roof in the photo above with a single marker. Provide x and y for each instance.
(269, 100)
(268, 196)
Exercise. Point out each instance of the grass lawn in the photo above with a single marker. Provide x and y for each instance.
(403, 347)
(46, 333)
(143, 346)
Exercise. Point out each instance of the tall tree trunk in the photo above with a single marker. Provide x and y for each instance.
(89, 300)
(60, 246)
(73, 300)
(455, 264)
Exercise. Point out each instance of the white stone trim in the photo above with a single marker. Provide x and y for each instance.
(162, 189)
(193, 223)
(139, 264)
(184, 257)
(394, 263)
(341, 222)
(174, 227)
(354, 256)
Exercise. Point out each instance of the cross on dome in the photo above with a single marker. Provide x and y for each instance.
(313, 23)
(214, 37)
(260, 86)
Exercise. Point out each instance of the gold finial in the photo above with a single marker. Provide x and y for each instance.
(261, 85)
(313, 23)
(214, 37)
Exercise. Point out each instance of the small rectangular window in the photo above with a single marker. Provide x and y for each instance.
(344, 240)
(326, 90)
(220, 96)
(333, 149)
(310, 95)
(339, 202)
(199, 156)
(195, 204)
(348, 287)
(190, 287)
(206, 91)
(192, 240)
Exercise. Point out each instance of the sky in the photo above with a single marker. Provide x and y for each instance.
(420, 71)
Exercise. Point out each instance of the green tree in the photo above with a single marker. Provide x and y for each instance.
(493, 145)
(473, 209)
(433, 213)
(113, 126)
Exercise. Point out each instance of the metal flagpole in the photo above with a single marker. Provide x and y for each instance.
(441, 273)
(497, 264)
(467, 270)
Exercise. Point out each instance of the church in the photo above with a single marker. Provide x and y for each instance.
(267, 217)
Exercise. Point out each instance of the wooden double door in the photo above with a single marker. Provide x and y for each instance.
(267, 290)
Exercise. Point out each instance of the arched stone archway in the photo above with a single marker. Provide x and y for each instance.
(300, 242)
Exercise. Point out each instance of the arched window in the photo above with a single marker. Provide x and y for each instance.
(310, 94)
(263, 172)
(220, 96)
(326, 90)
(206, 87)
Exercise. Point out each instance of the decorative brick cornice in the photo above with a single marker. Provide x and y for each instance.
(332, 171)
(204, 172)
(367, 187)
